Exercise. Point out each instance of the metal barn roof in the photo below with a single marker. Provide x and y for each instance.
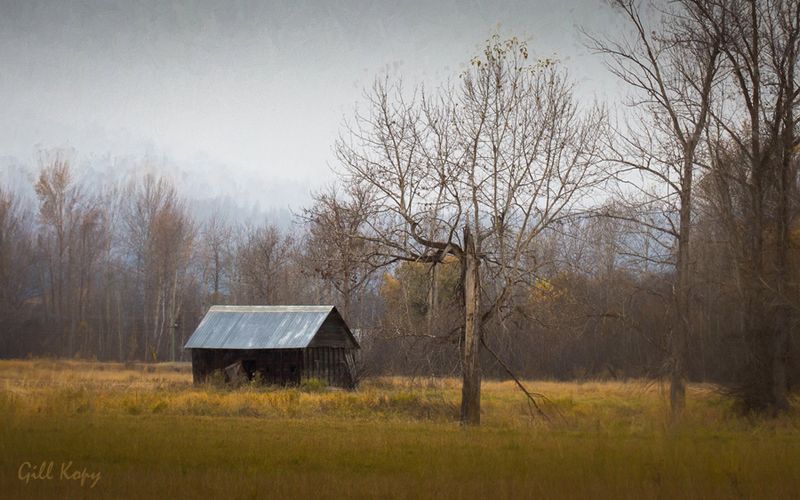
(258, 327)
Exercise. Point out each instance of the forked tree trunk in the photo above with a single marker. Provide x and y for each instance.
(471, 388)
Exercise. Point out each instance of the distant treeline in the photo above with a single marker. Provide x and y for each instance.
(128, 273)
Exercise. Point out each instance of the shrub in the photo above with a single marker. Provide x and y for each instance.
(313, 385)
(216, 379)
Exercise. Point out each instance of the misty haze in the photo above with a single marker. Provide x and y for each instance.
(372, 249)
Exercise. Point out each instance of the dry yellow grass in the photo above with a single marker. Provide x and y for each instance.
(150, 433)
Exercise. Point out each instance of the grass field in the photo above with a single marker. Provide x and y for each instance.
(149, 433)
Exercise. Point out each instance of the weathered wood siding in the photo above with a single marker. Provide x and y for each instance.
(329, 364)
(279, 366)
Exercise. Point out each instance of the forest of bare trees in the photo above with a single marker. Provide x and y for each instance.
(497, 225)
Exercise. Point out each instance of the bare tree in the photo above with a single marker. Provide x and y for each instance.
(476, 171)
(332, 248)
(671, 68)
(72, 231)
(262, 259)
(216, 255)
(754, 169)
(160, 238)
(17, 266)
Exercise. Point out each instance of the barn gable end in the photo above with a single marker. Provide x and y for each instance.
(334, 332)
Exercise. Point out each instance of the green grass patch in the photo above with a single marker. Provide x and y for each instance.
(152, 434)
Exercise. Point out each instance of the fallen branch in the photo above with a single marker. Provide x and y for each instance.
(531, 399)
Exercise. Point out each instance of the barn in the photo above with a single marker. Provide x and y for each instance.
(280, 345)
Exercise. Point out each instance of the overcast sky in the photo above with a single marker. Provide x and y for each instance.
(245, 95)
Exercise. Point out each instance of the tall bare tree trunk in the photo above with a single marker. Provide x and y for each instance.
(680, 336)
(121, 352)
(471, 388)
(785, 288)
(782, 317)
(174, 310)
(758, 327)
